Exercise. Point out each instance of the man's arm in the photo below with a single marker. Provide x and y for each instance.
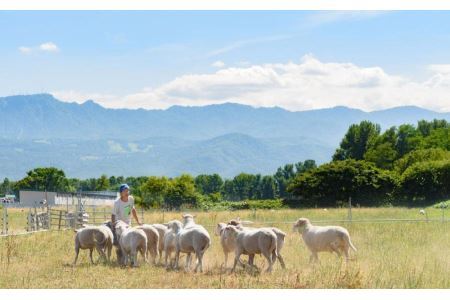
(113, 219)
(134, 213)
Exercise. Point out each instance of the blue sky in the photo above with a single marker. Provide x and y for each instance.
(155, 59)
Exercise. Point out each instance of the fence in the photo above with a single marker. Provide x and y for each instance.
(61, 218)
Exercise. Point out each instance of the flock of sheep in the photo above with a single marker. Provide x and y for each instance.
(190, 238)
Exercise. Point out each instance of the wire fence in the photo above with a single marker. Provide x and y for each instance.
(44, 219)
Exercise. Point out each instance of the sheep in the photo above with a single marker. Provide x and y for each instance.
(170, 241)
(191, 239)
(253, 241)
(152, 240)
(228, 245)
(119, 255)
(131, 240)
(90, 237)
(422, 211)
(324, 238)
(162, 230)
(280, 239)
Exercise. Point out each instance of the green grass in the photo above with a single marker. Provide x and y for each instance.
(390, 255)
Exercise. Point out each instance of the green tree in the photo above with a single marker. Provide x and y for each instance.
(420, 155)
(209, 184)
(154, 191)
(269, 188)
(357, 140)
(44, 179)
(102, 183)
(427, 181)
(182, 191)
(333, 183)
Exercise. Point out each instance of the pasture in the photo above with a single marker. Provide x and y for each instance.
(390, 255)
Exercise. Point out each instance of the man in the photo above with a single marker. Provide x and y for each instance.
(124, 207)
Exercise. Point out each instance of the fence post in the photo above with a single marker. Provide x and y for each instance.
(29, 220)
(36, 220)
(59, 220)
(104, 214)
(5, 220)
(93, 213)
(142, 215)
(443, 218)
(350, 209)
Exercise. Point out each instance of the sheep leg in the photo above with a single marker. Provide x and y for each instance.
(109, 253)
(90, 255)
(177, 257)
(133, 256)
(226, 258)
(167, 256)
(280, 258)
(188, 261)
(236, 259)
(101, 253)
(269, 260)
(199, 261)
(313, 257)
(77, 250)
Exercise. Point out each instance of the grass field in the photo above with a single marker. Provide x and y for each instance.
(390, 255)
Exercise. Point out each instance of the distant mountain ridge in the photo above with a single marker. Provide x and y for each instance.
(87, 139)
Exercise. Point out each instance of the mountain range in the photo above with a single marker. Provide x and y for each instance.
(87, 140)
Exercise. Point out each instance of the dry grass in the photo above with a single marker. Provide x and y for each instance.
(390, 255)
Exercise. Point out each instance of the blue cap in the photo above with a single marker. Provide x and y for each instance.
(123, 187)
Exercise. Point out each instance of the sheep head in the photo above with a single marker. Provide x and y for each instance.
(219, 228)
(175, 226)
(300, 224)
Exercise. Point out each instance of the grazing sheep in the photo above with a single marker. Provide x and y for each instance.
(193, 239)
(90, 237)
(131, 240)
(280, 239)
(170, 241)
(152, 240)
(324, 238)
(422, 211)
(253, 241)
(228, 245)
(162, 230)
(119, 255)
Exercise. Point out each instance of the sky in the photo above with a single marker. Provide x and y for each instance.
(297, 60)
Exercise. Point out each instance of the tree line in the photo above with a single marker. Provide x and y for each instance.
(404, 165)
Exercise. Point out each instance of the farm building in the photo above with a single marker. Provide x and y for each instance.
(36, 198)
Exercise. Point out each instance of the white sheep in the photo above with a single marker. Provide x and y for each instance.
(90, 237)
(131, 240)
(324, 238)
(228, 245)
(162, 230)
(253, 241)
(170, 241)
(152, 240)
(193, 239)
(280, 239)
(422, 211)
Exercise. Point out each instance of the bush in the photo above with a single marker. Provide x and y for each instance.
(245, 204)
(425, 182)
(333, 183)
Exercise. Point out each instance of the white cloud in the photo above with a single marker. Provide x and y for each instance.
(44, 47)
(307, 84)
(48, 47)
(25, 50)
(218, 64)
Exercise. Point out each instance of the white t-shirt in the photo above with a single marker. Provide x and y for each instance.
(122, 210)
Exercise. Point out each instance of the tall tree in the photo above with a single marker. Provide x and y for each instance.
(357, 140)
(44, 179)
